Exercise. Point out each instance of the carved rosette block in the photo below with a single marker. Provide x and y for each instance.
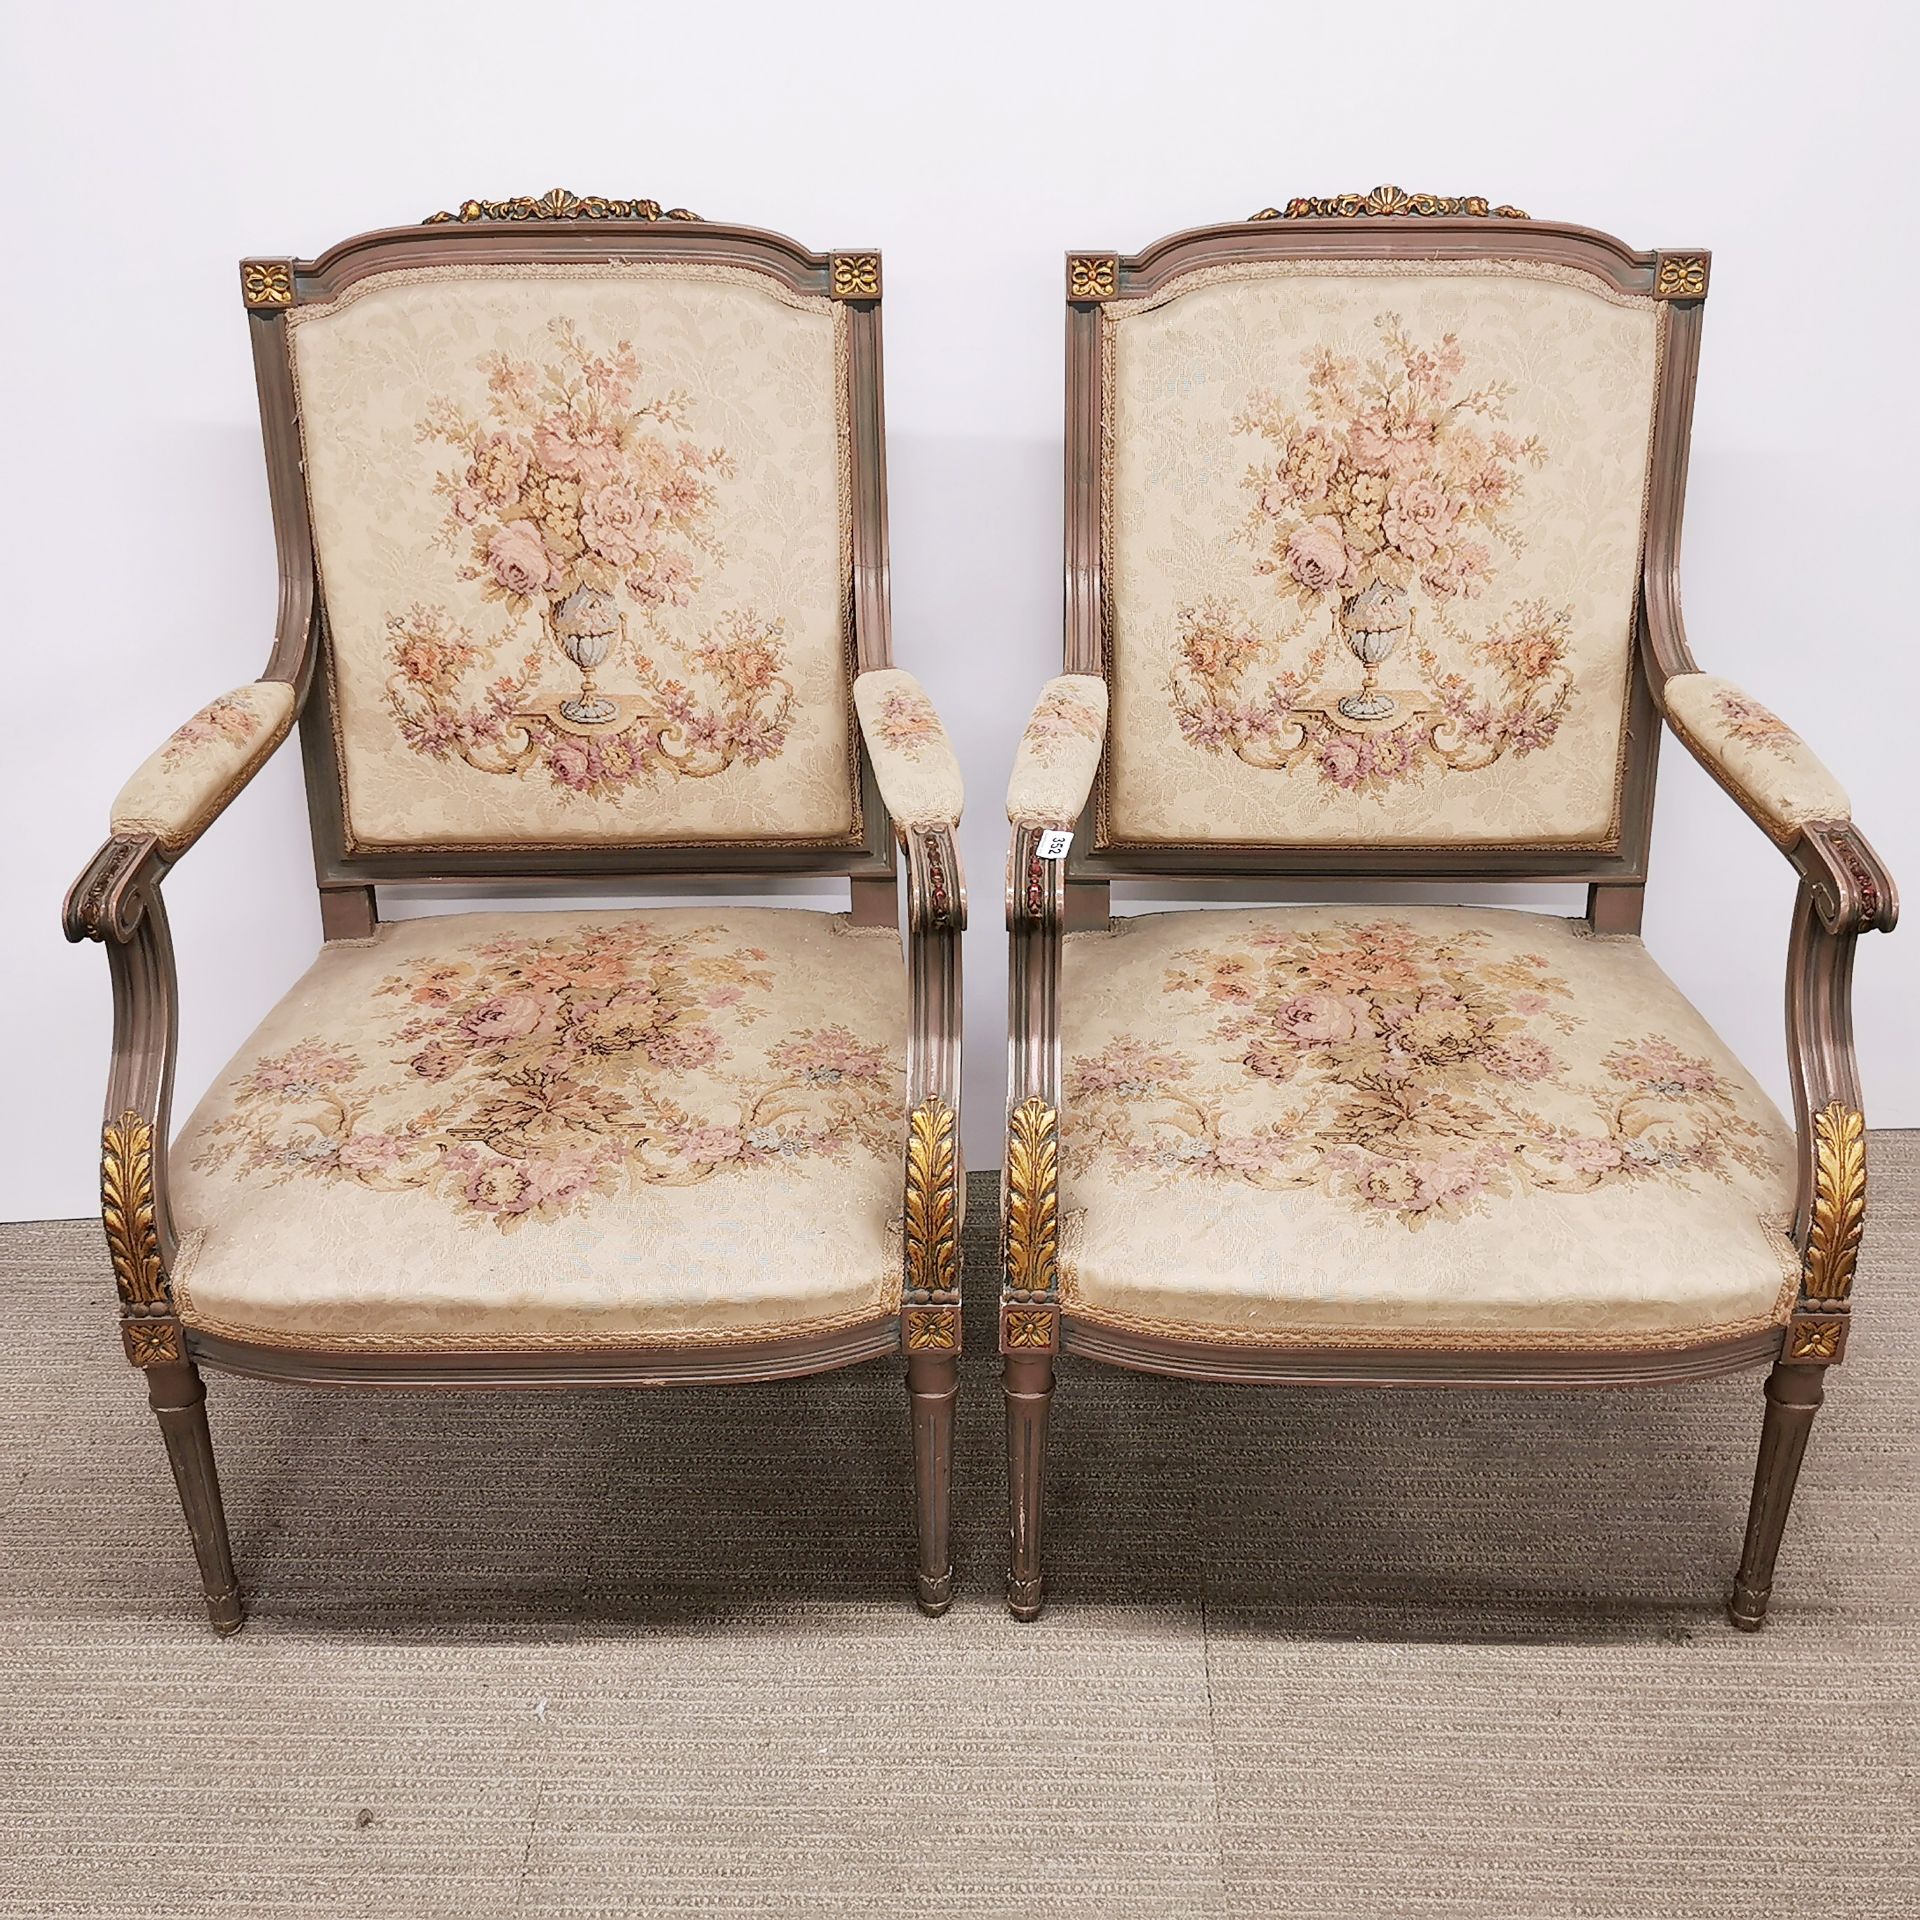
(266, 284)
(1093, 276)
(853, 276)
(1681, 276)
(557, 204)
(1390, 203)
(1029, 1329)
(152, 1343)
(1818, 1330)
(933, 1329)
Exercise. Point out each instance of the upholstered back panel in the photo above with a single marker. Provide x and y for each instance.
(1373, 537)
(583, 544)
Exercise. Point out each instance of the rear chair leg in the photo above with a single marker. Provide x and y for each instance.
(1029, 1385)
(933, 1383)
(1794, 1394)
(179, 1402)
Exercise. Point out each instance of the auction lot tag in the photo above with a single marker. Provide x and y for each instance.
(1054, 844)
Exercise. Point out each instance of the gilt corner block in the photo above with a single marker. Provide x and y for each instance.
(1093, 276)
(933, 1329)
(1681, 276)
(266, 285)
(1818, 1330)
(1025, 1330)
(854, 276)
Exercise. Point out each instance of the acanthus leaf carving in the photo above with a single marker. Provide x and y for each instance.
(1033, 1170)
(932, 1246)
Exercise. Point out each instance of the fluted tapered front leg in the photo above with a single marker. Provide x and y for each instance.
(1793, 1398)
(179, 1403)
(1029, 1388)
(933, 1384)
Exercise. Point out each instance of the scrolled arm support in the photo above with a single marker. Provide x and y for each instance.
(1053, 775)
(163, 809)
(117, 901)
(1845, 891)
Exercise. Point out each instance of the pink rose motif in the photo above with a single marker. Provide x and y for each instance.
(710, 1146)
(518, 559)
(563, 446)
(507, 1016)
(1418, 518)
(369, 1153)
(1317, 556)
(1521, 1058)
(683, 1048)
(436, 1060)
(499, 1186)
(1340, 761)
(615, 523)
(1316, 1020)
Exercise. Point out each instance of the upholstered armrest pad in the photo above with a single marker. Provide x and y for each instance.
(1765, 763)
(1059, 752)
(179, 790)
(911, 754)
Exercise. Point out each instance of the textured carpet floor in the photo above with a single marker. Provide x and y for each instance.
(1311, 1653)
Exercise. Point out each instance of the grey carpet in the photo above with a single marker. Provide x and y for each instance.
(1310, 1653)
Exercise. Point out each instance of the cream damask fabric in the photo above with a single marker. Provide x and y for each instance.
(1406, 1126)
(913, 760)
(501, 1129)
(177, 790)
(1374, 538)
(1059, 752)
(583, 540)
(1755, 753)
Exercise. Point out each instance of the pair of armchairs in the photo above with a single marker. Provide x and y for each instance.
(1373, 509)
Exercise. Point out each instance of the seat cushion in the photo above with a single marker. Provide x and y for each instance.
(502, 1130)
(1410, 1126)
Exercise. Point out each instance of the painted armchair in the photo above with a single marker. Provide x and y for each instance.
(1373, 522)
(580, 511)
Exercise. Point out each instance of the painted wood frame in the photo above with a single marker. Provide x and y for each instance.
(1844, 891)
(118, 901)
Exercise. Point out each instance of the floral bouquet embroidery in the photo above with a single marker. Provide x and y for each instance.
(537, 1074)
(578, 503)
(1394, 483)
(1399, 1067)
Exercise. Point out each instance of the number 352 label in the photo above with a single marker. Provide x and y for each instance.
(1054, 844)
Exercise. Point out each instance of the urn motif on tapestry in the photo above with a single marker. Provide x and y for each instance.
(583, 535)
(1372, 552)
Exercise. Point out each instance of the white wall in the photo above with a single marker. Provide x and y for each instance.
(147, 148)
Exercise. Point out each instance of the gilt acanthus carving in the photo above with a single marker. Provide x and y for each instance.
(557, 204)
(1389, 202)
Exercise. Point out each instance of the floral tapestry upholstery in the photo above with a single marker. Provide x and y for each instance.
(177, 790)
(1374, 537)
(1756, 754)
(529, 1128)
(583, 540)
(913, 760)
(1409, 1126)
(1059, 752)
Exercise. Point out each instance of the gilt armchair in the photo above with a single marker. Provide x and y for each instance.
(1373, 516)
(580, 511)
